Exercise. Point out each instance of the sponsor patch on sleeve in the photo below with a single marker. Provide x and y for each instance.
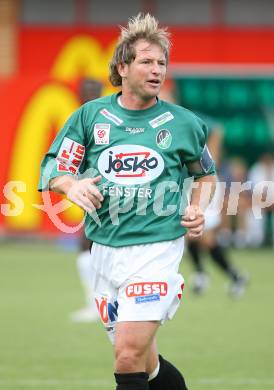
(70, 156)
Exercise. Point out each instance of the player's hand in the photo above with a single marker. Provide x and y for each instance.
(193, 220)
(85, 194)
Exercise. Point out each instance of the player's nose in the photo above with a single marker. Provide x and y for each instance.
(156, 70)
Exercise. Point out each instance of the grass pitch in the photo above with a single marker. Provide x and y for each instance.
(218, 342)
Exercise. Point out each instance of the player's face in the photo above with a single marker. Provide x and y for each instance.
(144, 76)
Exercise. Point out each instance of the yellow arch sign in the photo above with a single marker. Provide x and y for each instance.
(50, 106)
(82, 56)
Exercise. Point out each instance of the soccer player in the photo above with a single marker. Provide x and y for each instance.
(120, 158)
(208, 241)
(199, 281)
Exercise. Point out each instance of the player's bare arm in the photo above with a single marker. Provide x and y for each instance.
(214, 143)
(82, 192)
(193, 219)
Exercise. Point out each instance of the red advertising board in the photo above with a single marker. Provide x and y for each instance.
(36, 101)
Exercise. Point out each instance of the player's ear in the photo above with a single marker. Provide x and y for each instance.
(122, 69)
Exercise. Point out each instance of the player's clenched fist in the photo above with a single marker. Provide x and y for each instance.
(193, 220)
(86, 194)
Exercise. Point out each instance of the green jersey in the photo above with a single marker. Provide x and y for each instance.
(140, 155)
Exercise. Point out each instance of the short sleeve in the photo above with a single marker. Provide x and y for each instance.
(196, 155)
(66, 155)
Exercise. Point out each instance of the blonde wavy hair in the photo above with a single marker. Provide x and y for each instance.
(139, 27)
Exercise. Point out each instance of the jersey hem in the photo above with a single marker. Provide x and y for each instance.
(138, 243)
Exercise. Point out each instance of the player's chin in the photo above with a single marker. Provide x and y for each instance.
(153, 90)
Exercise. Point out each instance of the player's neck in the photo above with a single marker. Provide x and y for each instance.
(133, 102)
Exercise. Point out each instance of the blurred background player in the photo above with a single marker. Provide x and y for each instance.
(260, 231)
(233, 229)
(89, 89)
(209, 240)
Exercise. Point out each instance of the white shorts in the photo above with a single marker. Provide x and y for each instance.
(138, 282)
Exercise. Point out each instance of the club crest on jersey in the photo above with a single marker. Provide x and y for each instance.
(130, 164)
(163, 139)
(70, 156)
(101, 133)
